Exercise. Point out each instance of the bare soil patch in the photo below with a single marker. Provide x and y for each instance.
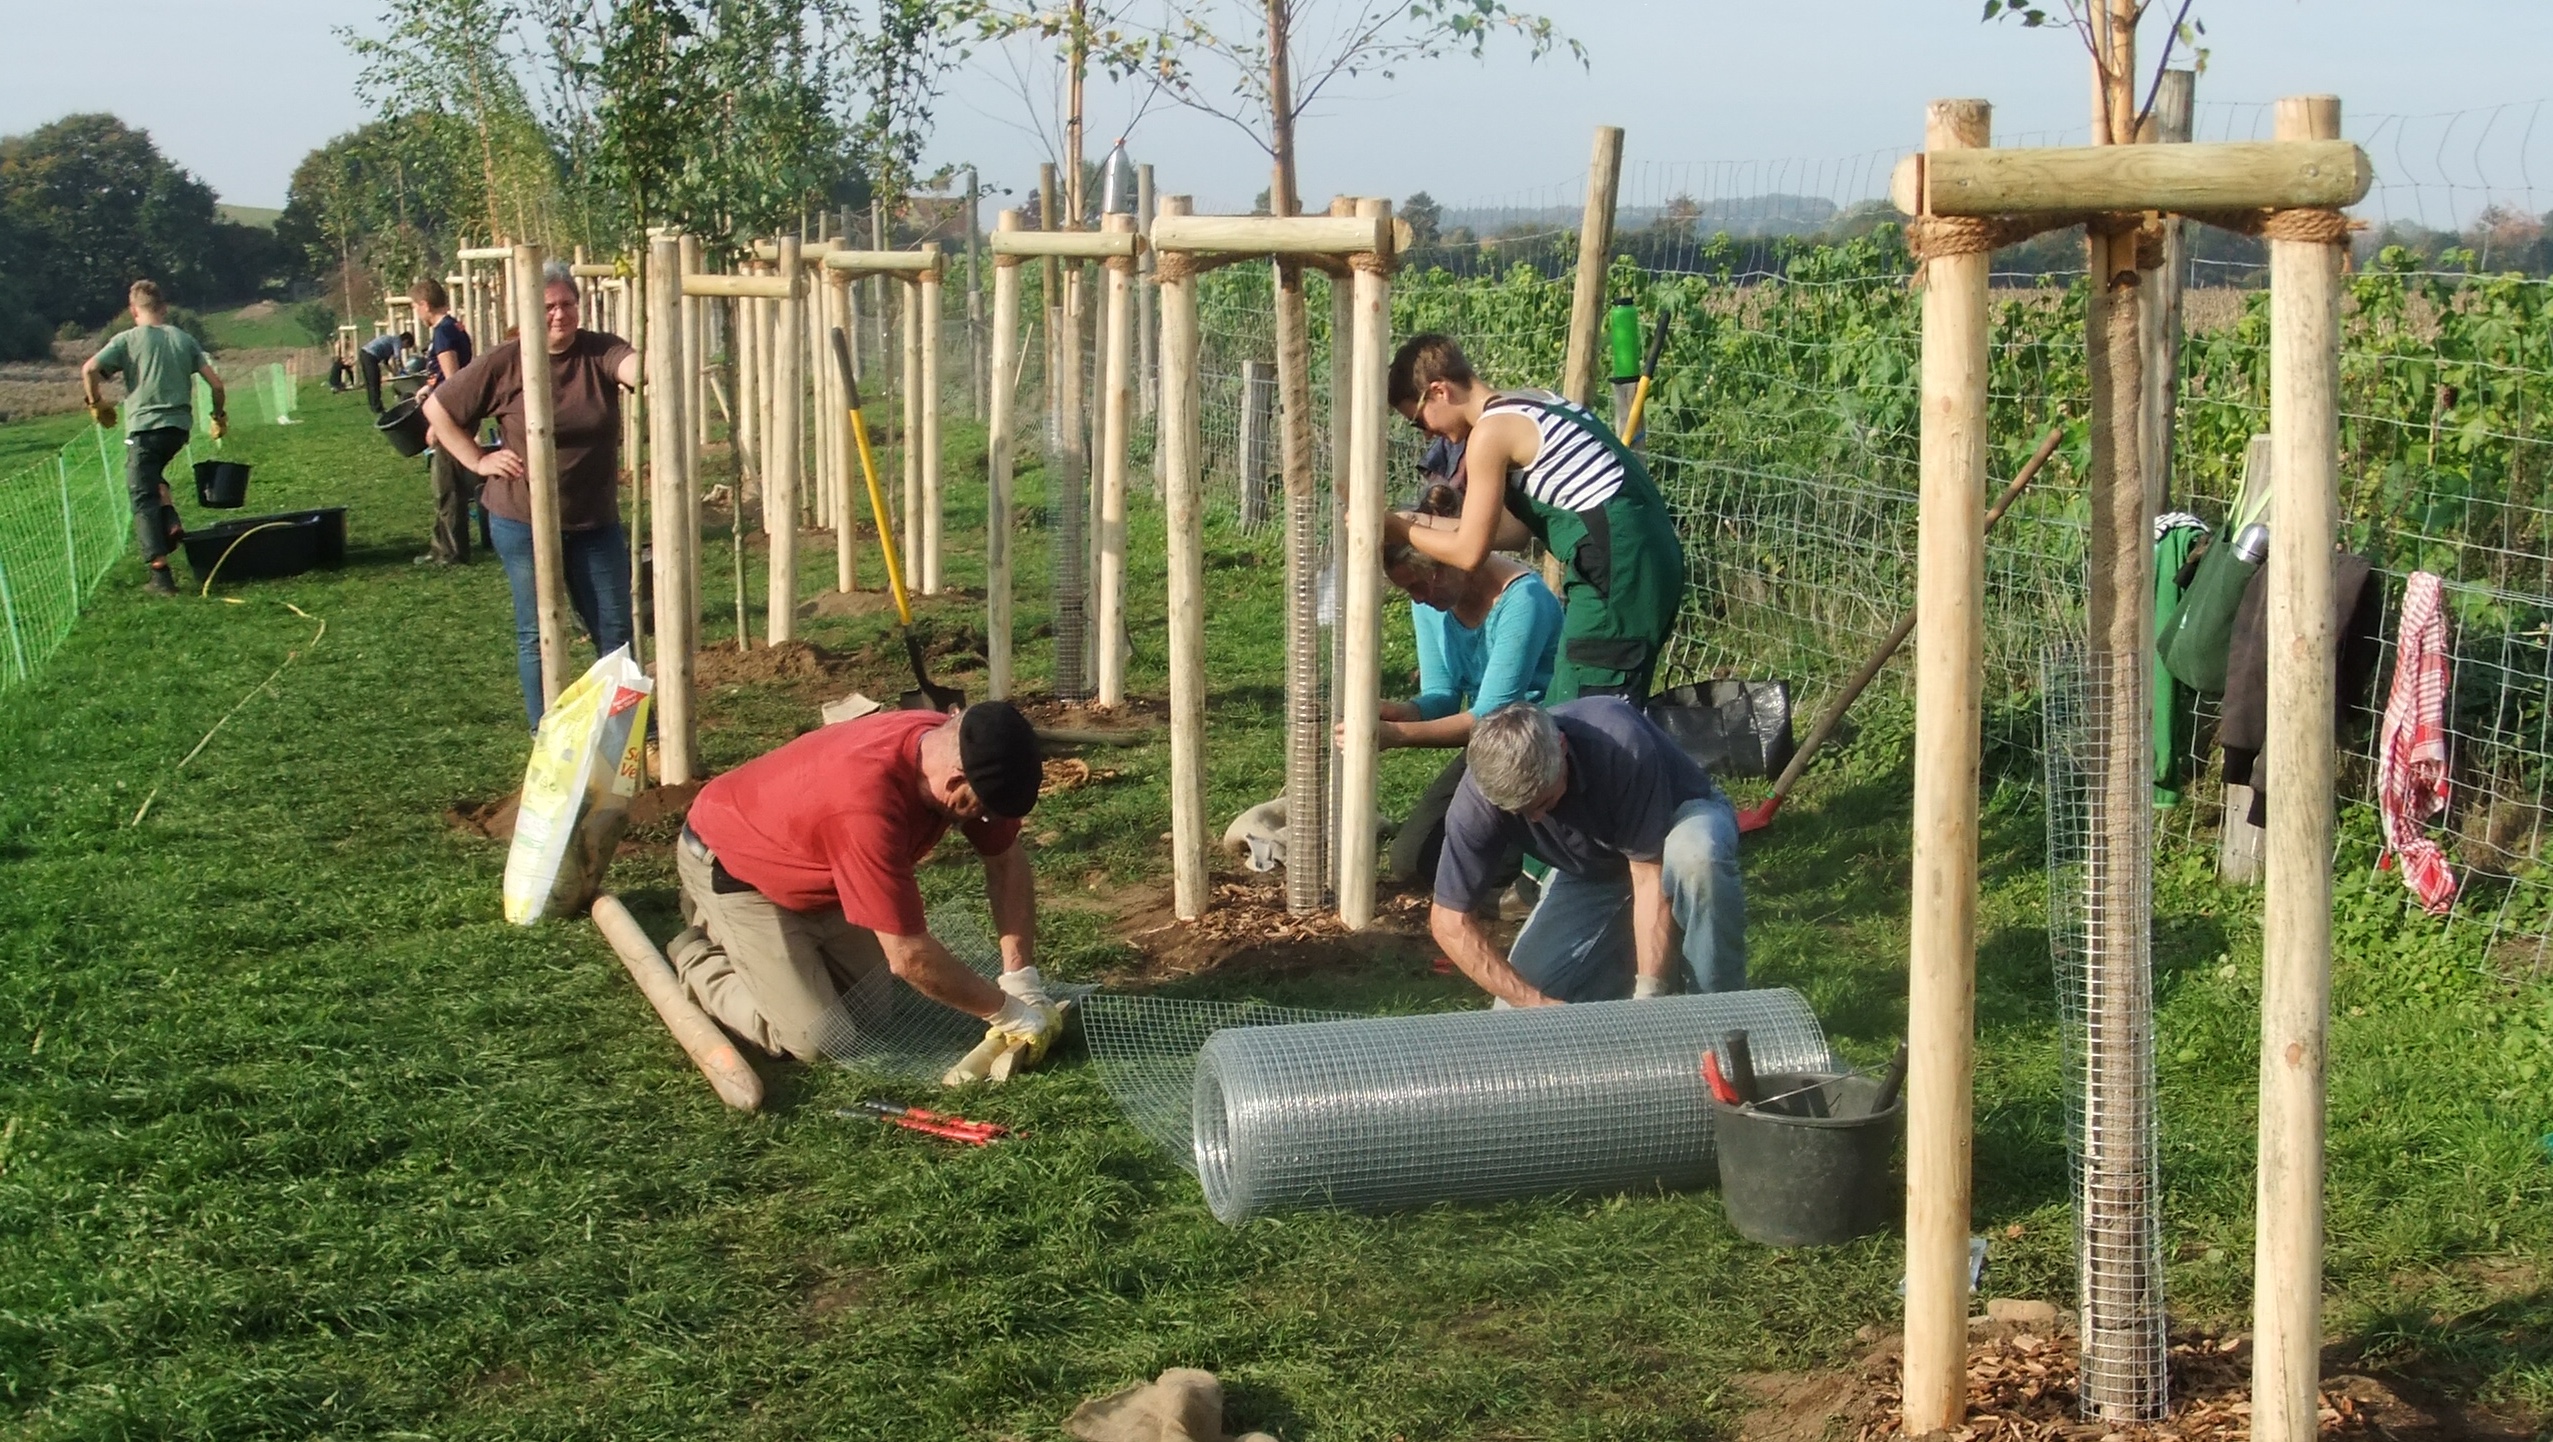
(655, 816)
(1247, 932)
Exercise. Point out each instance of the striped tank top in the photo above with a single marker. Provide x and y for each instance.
(1572, 470)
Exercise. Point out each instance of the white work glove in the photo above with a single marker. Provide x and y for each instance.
(1015, 1039)
(1027, 986)
(1646, 987)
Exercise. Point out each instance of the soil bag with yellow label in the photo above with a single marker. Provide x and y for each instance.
(586, 763)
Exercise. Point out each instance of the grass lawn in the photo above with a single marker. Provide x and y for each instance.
(297, 1137)
(257, 327)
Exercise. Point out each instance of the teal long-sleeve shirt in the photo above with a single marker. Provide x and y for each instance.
(1508, 658)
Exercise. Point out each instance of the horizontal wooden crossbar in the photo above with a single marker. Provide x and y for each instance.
(910, 263)
(1067, 244)
(746, 287)
(1271, 234)
(2239, 175)
(488, 252)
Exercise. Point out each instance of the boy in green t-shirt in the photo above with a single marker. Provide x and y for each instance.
(159, 363)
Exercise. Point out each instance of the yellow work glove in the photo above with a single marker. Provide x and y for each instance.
(221, 425)
(102, 412)
(1017, 1038)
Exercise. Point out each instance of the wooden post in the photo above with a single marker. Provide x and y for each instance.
(1182, 484)
(696, 358)
(1147, 332)
(1116, 399)
(745, 426)
(1360, 684)
(1257, 441)
(1950, 586)
(2304, 388)
(1001, 446)
(975, 397)
(878, 286)
(1595, 255)
(1342, 446)
(1068, 472)
(540, 464)
(2161, 317)
(637, 414)
(914, 522)
(1050, 299)
(780, 504)
(669, 370)
(846, 458)
(927, 299)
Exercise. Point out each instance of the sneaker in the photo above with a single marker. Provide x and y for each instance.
(161, 583)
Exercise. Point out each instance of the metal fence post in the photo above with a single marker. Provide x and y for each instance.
(70, 533)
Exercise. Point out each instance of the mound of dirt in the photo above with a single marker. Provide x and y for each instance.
(655, 814)
(788, 661)
(1247, 931)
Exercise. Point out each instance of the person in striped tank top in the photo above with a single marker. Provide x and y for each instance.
(1537, 465)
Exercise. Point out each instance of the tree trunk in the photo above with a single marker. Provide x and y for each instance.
(1306, 792)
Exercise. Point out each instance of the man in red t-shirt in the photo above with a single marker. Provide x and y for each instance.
(797, 881)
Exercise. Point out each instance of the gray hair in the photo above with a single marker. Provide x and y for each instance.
(556, 272)
(1515, 755)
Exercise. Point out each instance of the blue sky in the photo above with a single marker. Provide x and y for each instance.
(239, 90)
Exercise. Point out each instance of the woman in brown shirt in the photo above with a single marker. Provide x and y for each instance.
(588, 371)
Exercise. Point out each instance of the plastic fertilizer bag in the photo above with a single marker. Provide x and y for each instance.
(585, 766)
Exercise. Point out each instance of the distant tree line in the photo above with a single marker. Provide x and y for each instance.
(88, 205)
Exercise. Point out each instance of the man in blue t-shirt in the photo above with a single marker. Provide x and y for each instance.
(377, 352)
(1641, 844)
(448, 349)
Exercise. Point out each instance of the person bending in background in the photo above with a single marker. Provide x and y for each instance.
(797, 873)
(448, 353)
(588, 371)
(1641, 844)
(1537, 465)
(159, 364)
(380, 351)
(1485, 638)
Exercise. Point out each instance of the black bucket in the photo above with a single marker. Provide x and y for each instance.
(404, 427)
(221, 485)
(1809, 1166)
(258, 547)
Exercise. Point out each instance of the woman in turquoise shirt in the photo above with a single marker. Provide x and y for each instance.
(1485, 637)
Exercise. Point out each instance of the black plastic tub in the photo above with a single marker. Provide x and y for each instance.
(221, 485)
(258, 547)
(404, 427)
(1811, 1165)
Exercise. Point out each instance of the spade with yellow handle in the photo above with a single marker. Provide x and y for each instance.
(927, 694)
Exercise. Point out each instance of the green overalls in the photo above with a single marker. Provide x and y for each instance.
(1624, 567)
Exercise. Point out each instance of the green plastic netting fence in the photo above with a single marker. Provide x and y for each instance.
(63, 523)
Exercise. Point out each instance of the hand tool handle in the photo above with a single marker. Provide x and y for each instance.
(1648, 377)
(1833, 715)
(1891, 1083)
(869, 472)
(1741, 1066)
(1718, 1081)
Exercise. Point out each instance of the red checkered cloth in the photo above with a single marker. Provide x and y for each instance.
(2411, 753)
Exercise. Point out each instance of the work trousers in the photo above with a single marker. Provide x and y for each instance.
(146, 458)
(795, 983)
(597, 564)
(454, 489)
(370, 365)
(1577, 945)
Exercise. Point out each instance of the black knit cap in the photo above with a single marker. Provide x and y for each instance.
(998, 748)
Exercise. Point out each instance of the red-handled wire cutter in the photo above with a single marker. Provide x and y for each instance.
(938, 1124)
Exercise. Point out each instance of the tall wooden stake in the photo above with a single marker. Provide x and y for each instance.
(1182, 484)
(1116, 392)
(2304, 404)
(1360, 681)
(926, 303)
(669, 372)
(780, 504)
(1050, 303)
(1950, 587)
(696, 359)
(1595, 255)
(915, 521)
(1001, 447)
(974, 298)
(846, 458)
(1147, 332)
(540, 464)
(2161, 316)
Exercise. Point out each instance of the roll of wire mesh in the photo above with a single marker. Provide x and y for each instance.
(1392, 1112)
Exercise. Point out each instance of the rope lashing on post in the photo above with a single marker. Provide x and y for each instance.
(1928, 236)
(1173, 265)
(2312, 226)
(1374, 262)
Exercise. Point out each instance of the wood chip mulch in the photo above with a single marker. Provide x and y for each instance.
(2021, 1388)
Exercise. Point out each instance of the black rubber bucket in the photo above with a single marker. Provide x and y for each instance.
(404, 427)
(1809, 1166)
(258, 547)
(221, 485)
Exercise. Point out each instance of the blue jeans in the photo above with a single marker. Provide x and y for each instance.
(597, 563)
(1577, 945)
